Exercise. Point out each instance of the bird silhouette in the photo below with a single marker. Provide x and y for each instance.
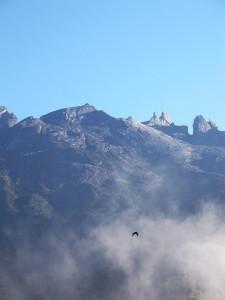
(135, 233)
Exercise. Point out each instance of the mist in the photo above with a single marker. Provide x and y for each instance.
(170, 259)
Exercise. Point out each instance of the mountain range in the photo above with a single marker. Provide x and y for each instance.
(79, 163)
(75, 184)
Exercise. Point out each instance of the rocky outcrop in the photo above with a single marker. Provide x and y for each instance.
(212, 124)
(129, 119)
(153, 121)
(206, 133)
(7, 119)
(165, 125)
(164, 120)
(201, 126)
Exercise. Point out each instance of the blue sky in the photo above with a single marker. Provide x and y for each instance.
(123, 57)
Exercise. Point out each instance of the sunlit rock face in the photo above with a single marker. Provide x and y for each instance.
(163, 120)
(154, 120)
(201, 126)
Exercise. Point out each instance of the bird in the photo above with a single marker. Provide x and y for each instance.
(135, 233)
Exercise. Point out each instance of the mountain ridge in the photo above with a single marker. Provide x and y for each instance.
(80, 163)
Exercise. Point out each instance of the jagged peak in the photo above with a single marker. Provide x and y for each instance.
(129, 118)
(165, 119)
(7, 119)
(3, 109)
(154, 120)
(86, 108)
(201, 126)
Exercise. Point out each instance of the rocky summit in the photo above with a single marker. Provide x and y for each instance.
(7, 119)
(201, 126)
(165, 125)
(80, 164)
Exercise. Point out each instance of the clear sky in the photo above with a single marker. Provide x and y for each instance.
(125, 57)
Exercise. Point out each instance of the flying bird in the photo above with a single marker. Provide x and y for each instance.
(135, 233)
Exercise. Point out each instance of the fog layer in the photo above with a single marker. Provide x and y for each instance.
(168, 260)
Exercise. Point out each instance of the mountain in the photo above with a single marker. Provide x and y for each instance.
(77, 182)
(80, 163)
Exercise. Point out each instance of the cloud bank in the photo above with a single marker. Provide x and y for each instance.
(169, 260)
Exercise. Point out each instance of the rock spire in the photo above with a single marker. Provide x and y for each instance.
(201, 126)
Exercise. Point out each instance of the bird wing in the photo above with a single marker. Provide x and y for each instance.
(135, 233)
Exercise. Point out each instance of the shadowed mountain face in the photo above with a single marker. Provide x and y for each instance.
(78, 164)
